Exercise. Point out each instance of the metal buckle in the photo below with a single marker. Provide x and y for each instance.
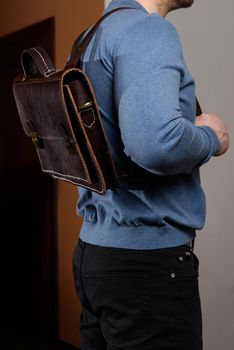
(71, 146)
(37, 141)
(49, 73)
(85, 105)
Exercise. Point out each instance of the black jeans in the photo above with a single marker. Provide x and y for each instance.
(138, 299)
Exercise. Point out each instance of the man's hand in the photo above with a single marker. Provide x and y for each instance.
(214, 121)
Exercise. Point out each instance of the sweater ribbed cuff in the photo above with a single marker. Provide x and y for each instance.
(215, 145)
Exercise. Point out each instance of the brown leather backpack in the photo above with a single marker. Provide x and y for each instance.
(59, 112)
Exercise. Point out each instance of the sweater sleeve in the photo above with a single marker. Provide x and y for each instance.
(148, 63)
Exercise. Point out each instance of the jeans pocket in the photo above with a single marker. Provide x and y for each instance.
(186, 266)
(119, 299)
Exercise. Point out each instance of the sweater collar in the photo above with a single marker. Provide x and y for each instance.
(122, 3)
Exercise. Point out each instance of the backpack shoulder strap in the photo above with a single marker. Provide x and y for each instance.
(198, 108)
(79, 46)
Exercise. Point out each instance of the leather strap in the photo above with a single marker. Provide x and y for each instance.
(76, 44)
(198, 108)
(35, 61)
(78, 48)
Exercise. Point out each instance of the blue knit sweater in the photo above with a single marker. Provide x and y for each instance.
(146, 97)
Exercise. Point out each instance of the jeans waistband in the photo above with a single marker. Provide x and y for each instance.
(189, 244)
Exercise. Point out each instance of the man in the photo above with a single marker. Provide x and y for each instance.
(135, 270)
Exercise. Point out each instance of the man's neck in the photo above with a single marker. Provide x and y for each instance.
(157, 6)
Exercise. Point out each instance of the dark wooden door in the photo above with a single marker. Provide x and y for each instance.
(27, 202)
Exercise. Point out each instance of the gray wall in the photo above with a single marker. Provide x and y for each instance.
(206, 31)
